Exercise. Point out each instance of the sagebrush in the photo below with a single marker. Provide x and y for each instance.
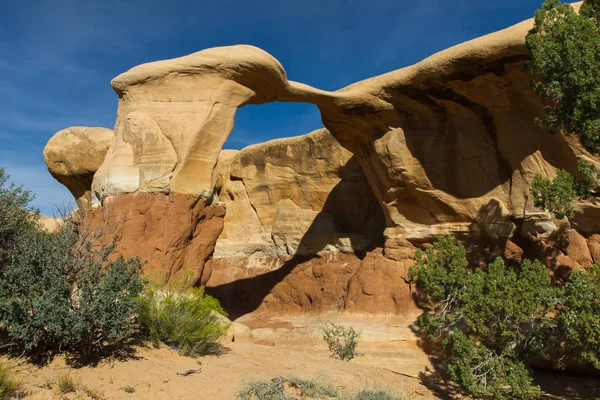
(187, 319)
(342, 341)
(293, 387)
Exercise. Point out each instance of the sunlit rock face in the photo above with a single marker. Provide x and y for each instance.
(295, 196)
(174, 117)
(446, 146)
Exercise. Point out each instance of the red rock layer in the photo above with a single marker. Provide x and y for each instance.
(174, 234)
(332, 282)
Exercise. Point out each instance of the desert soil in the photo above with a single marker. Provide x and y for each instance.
(391, 358)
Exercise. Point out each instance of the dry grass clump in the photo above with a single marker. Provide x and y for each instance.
(295, 388)
(66, 384)
(10, 387)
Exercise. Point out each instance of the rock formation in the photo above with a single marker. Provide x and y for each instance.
(73, 156)
(330, 220)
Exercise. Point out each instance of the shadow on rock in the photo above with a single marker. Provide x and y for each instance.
(350, 211)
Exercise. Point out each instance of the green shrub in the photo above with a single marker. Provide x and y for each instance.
(262, 390)
(560, 194)
(579, 317)
(342, 341)
(557, 196)
(566, 58)
(10, 387)
(492, 320)
(128, 389)
(280, 388)
(312, 388)
(589, 181)
(186, 319)
(17, 219)
(57, 292)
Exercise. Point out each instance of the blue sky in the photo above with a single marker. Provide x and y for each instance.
(57, 58)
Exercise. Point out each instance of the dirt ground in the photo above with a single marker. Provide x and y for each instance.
(391, 358)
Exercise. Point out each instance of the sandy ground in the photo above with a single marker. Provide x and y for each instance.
(264, 348)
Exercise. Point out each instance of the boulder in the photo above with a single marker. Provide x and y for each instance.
(575, 247)
(513, 252)
(73, 156)
(594, 246)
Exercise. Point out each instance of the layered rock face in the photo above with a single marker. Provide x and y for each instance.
(449, 145)
(173, 234)
(330, 220)
(297, 196)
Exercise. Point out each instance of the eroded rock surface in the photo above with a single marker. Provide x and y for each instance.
(302, 195)
(175, 235)
(175, 115)
(73, 156)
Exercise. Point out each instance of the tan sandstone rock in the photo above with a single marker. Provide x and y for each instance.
(447, 145)
(175, 115)
(73, 156)
(594, 246)
(50, 224)
(306, 190)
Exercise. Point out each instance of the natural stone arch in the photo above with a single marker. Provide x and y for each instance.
(468, 107)
(186, 105)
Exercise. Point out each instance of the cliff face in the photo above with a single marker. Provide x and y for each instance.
(329, 220)
(300, 213)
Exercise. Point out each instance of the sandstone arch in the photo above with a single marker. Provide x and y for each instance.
(447, 146)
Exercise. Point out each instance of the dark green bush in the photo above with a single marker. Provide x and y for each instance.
(57, 292)
(17, 218)
(560, 194)
(492, 320)
(186, 319)
(579, 317)
(557, 195)
(566, 58)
